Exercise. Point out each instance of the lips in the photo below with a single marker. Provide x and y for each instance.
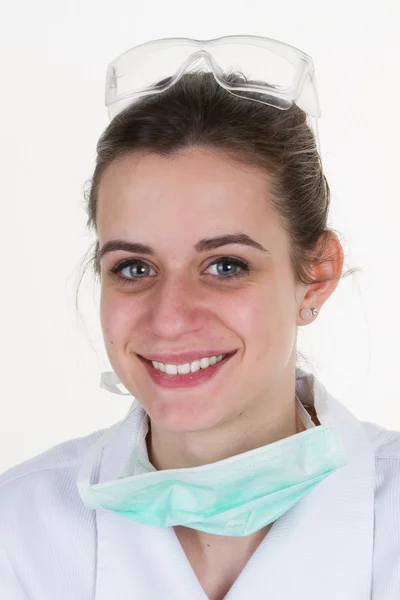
(188, 380)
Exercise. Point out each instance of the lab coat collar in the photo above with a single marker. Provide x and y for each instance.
(320, 548)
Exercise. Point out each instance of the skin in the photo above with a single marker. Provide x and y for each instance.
(184, 303)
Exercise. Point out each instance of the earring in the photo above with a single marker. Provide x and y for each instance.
(307, 313)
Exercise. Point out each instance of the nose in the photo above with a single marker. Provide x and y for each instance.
(177, 306)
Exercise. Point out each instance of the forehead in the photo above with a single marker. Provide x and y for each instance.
(195, 188)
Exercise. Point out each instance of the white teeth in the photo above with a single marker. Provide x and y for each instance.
(192, 367)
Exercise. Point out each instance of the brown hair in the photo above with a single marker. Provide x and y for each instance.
(197, 112)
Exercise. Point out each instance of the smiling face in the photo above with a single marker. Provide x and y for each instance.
(179, 299)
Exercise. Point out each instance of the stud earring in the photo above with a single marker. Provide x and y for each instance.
(307, 313)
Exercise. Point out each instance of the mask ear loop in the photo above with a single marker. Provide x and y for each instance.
(109, 381)
(304, 416)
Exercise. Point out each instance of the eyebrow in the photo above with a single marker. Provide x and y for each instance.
(201, 246)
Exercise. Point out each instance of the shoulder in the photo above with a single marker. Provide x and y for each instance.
(386, 442)
(62, 456)
(49, 477)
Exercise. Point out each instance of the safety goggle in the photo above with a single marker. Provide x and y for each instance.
(280, 74)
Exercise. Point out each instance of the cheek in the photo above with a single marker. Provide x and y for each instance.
(249, 319)
(116, 316)
(262, 323)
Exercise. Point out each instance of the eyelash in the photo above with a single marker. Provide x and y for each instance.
(135, 261)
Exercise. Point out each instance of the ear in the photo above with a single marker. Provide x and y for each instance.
(329, 267)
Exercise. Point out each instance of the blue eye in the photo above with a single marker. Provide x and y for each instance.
(143, 266)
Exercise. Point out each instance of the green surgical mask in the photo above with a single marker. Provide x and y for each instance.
(235, 497)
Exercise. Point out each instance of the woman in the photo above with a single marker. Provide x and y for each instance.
(235, 474)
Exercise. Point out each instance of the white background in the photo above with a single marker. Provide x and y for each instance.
(53, 63)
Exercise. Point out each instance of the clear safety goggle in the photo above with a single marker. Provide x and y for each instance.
(279, 74)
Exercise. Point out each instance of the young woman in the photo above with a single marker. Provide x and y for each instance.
(235, 474)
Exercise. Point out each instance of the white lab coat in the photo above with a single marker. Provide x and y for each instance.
(340, 542)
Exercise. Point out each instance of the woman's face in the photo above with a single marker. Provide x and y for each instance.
(180, 299)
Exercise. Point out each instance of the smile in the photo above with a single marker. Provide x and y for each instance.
(200, 374)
